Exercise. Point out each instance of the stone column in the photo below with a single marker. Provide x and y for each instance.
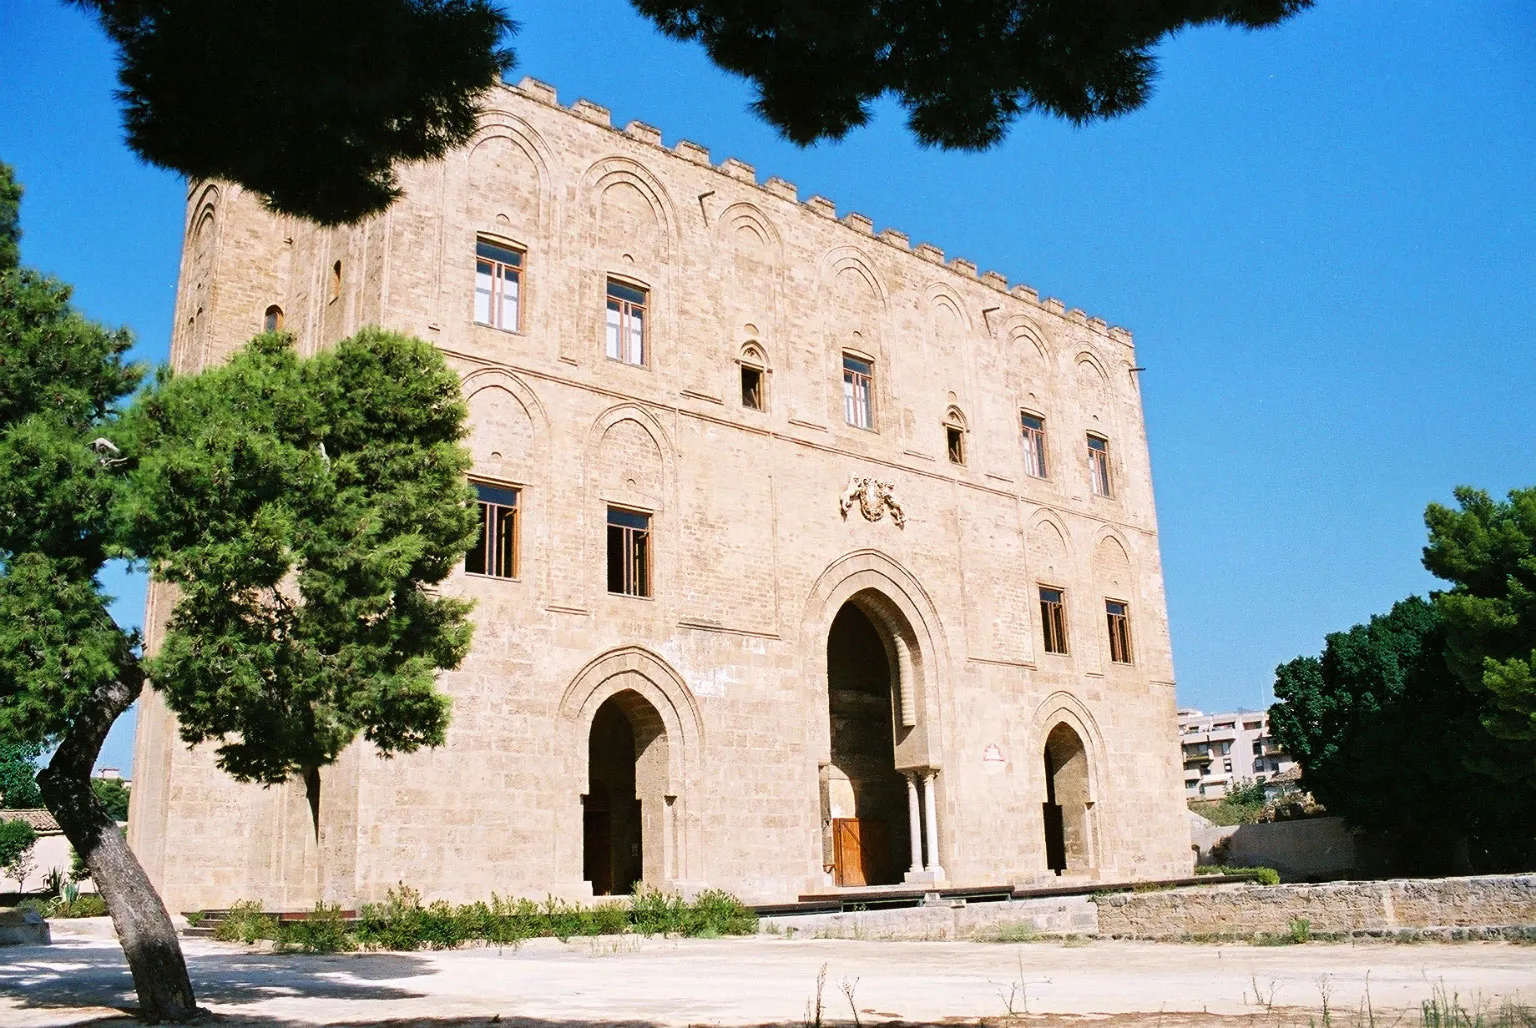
(914, 822)
(934, 867)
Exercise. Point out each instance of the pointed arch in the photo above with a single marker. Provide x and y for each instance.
(1062, 707)
(481, 379)
(856, 262)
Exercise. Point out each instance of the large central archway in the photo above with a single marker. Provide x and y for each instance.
(623, 822)
(864, 796)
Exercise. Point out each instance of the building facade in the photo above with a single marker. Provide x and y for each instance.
(810, 559)
(1222, 750)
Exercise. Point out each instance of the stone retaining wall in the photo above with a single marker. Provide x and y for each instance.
(1058, 915)
(1335, 907)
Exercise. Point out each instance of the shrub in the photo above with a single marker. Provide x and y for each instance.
(323, 931)
(718, 912)
(88, 905)
(245, 922)
(654, 912)
(395, 924)
(1301, 930)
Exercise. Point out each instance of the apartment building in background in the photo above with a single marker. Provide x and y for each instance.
(1222, 750)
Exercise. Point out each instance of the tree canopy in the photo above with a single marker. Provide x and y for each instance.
(18, 774)
(1487, 550)
(1421, 723)
(304, 508)
(313, 104)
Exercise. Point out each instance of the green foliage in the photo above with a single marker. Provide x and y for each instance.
(963, 72)
(302, 508)
(311, 104)
(1266, 875)
(1301, 930)
(78, 872)
(323, 931)
(113, 796)
(1356, 717)
(18, 774)
(1487, 550)
(1247, 793)
(246, 922)
(82, 905)
(16, 839)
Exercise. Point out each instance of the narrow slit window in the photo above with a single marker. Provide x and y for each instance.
(1098, 465)
(752, 388)
(335, 293)
(272, 320)
(629, 552)
(858, 392)
(498, 285)
(1053, 619)
(495, 551)
(1118, 614)
(626, 323)
(1033, 427)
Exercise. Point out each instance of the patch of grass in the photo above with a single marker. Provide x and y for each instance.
(1009, 931)
(84, 905)
(1267, 875)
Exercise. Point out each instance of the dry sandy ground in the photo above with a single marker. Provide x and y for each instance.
(635, 983)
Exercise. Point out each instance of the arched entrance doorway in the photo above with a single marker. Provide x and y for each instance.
(1068, 841)
(864, 797)
(624, 807)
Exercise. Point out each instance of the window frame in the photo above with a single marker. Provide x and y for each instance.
(487, 509)
(753, 361)
(626, 310)
(1039, 455)
(852, 377)
(955, 431)
(627, 538)
(1100, 479)
(1119, 626)
(1053, 619)
(496, 299)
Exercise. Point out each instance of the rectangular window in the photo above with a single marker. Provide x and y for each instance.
(1098, 464)
(1224, 747)
(752, 387)
(626, 323)
(1258, 747)
(498, 285)
(1034, 445)
(495, 552)
(954, 441)
(629, 552)
(1053, 619)
(858, 392)
(1119, 617)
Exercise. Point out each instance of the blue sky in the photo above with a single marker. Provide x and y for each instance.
(1322, 237)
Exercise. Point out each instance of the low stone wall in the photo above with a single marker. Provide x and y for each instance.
(1058, 915)
(1334, 908)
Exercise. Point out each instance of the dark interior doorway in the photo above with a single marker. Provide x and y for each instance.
(864, 797)
(612, 841)
(1066, 803)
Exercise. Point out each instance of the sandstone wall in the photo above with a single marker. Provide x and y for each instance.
(1335, 907)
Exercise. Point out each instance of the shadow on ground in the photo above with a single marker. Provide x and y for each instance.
(97, 976)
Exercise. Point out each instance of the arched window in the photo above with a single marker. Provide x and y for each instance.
(754, 377)
(954, 435)
(272, 320)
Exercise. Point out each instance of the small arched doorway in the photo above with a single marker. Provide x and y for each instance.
(623, 810)
(1068, 802)
(864, 797)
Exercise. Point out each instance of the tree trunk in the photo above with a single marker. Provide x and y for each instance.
(143, 926)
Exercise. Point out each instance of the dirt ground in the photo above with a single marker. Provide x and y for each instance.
(634, 983)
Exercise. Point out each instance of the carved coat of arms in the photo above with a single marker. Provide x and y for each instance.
(874, 498)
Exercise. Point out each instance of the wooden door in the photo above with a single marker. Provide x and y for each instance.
(847, 852)
(875, 852)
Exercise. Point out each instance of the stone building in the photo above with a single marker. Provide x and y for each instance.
(811, 559)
